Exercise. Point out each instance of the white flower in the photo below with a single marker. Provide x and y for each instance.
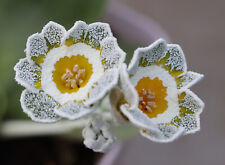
(98, 136)
(155, 90)
(66, 73)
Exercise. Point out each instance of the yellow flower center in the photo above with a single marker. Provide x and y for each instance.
(152, 94)
(72, 73)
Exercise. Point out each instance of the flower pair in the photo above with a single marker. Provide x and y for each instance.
(67, 73)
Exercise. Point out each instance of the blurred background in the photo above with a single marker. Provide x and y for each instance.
(198, 26)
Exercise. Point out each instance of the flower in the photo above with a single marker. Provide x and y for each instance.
(155, 94)
(66, 73)
(98, 135)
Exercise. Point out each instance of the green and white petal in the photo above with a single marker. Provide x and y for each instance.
(53, 32)
(96, 33)
(74, 110)
(188, 80)
(191, 102)
(169, 133)
(102, 86)
(28, 75)
(190, 109)
(76, 33)
(36, 48)
(98, 135)
(148, 56)
(39, 106)
(175, 60)
(111, 54)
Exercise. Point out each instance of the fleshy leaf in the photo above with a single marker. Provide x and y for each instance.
(98, 136)
(102, 86)
(148, 56)
(36, 48)
(54, 33)
(74, 110)
(76, 33)
(189, 79)
(111, 55)
(96, 33)
(39, 107)
(168, 133)
(28, 75)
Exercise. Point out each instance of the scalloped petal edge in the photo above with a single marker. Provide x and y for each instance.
(176, 59)
(190, 79)
(25, 83)
(35, 40)
(92, 28)
(114, 56)
(57, 32)
(76, 31)
(31, 114)
(136, 57)
(196, 114)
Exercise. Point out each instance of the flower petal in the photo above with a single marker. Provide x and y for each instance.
(38, 106)
(102, 86)
(54, 33)
(76, 33)
(138, 118)
(97, 32)
(98, 136)
(28, 75)
(148, 56)
(174, 61)
(191, 107)
(168, 134)
(190, 102)
(36, 48)
(111, 55)
(188, 80)
(130, 94)
(168, 56)
(74, 110)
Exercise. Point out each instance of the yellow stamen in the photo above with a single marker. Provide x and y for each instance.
(72, 73)
(152, 94)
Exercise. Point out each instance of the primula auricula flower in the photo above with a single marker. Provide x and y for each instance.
(66, 73)
(155, 94)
